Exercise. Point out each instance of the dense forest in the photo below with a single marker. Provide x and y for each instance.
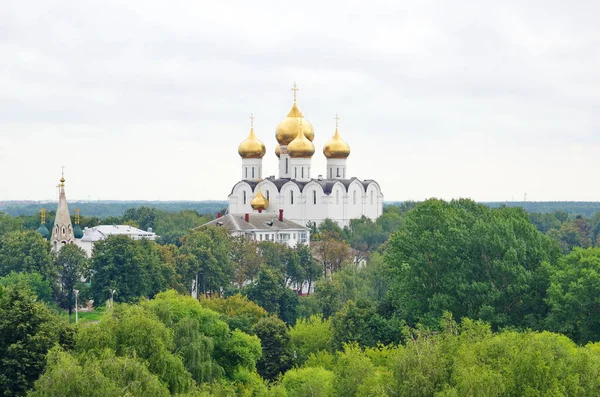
(431, 299)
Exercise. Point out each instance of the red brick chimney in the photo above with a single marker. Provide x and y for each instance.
(280, 215)
(247, 217)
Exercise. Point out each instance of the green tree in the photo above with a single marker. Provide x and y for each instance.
(132, 330)
(135, 268)
(171, 226)
(237, 310)
(245, 259)
(143, 216)
(105, 376)
(577, 233)
(9, 224)
(196, 351)
(32, 282)
(312, 271)
(277, 356)
(470, 260)
(365, 236)
(233, 351)
(574, 295)
(310, 336)
(308, 382)
(28, 329)
(205, 255)
(331, 252)
(26, 252)
(360, 323)
(72, 264)
(271, 293)
(351, 370)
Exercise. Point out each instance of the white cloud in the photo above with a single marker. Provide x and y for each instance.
(149, 99)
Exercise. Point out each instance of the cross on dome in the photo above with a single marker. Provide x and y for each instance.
(337, 120)
(251, 120)
(295, 89)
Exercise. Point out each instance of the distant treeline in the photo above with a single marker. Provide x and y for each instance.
(104, 209)
(585, 208)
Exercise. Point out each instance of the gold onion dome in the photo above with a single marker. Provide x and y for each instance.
(278, 151)
(301, 146)
(288, 129)
(336, 148)
(259, 202)
(251, 147)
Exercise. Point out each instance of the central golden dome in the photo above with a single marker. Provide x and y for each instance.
(259, 202)
(301, 146)
(288, 129)
(336, 148)
(251, 147)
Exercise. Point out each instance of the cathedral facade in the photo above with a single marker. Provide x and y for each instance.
(333, 194)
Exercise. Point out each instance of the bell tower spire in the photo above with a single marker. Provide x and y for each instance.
(62, 232)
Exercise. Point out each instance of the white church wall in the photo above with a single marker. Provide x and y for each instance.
(336, 208)
(355, 199)
(87, 246)
(292, 202)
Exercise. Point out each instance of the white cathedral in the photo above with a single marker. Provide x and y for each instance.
(300, 196)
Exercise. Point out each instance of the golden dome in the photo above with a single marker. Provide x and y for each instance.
(336, 148)
(251, 147)
(259, 202)
(289, 128)
(301, 146)
(277, 151)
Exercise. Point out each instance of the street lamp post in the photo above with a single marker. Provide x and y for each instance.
(76, 305)
(112, 296)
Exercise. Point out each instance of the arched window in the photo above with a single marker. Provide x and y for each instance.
(244, 197)
(338, 172)
(267, 195)
(330, 173)
(291, 197)
(296, 172)
(371, 197)
(302, 172)
(314, 197)
(337, 196)
(252, 172)
(64, 230)
(246, 172)
(286, 165)
(354, 197)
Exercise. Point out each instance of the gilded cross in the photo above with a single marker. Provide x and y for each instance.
(63, 171)
(295, 89)
(251, 120)
(337, 120)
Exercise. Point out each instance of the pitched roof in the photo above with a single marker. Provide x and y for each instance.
(266, 221)
(101, 232)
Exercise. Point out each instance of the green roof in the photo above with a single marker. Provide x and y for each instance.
(43, 230)
(77, 232)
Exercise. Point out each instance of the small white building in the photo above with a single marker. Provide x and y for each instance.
(93, 234)
(264, 227)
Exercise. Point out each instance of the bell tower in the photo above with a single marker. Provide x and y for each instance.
(62, 232)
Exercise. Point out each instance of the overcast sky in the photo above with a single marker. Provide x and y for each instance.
(145, 99)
